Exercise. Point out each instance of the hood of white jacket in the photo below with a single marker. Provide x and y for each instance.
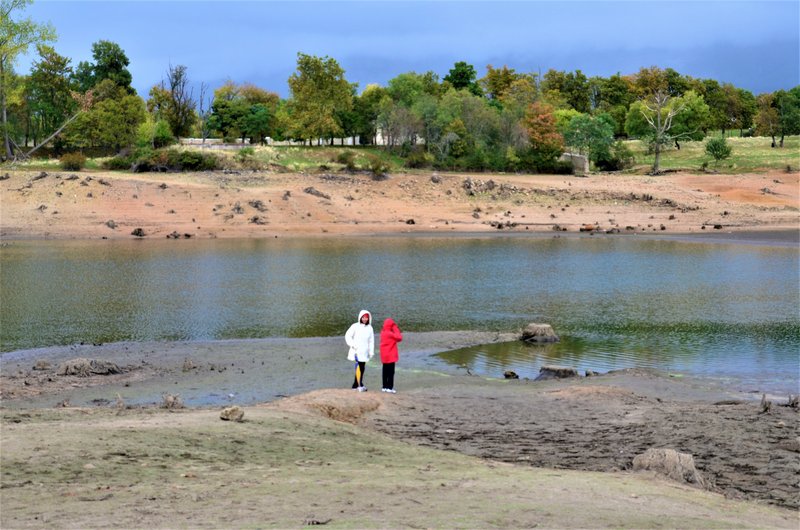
(362, 313)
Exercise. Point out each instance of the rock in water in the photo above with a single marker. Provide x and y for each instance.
(671, 464)
(234, 413)
(539, 333)
(509, 374)
(555, 372)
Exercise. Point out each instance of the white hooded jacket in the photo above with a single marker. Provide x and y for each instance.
(361, 339)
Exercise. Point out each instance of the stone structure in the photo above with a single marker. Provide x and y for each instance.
(580, 163)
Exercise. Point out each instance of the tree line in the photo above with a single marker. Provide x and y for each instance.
(505, 120)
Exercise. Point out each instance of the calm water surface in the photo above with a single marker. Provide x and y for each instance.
(713, 309)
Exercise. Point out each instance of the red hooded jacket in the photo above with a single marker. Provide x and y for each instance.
(390, 336)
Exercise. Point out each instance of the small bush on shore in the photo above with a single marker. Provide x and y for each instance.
(145, 160)
(347, 159)
(377, 165)
(72, 161)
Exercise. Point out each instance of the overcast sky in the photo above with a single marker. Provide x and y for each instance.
(752, 44)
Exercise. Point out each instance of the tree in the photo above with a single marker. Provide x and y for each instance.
(15, 38)
(767, 119)
(111, 122)
(692, 121)
(653, 119)
(576, 91)
(366, 108)
(520, 94)
(110, 62)
(463, 77)
(179, 111)
(245, 111)
(546, 144)
(257, 123)
(592, 135)
(497, 81)
(49, 94)
(788, 105)
(718, 148)
(319, 91)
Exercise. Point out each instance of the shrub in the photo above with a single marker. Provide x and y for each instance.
(162, 135)
(347, 159)
(119, 163)
(477, 160)
(377, 165)
(718, 148)
(617, 158)
(193, 161)
(418, 159)
(73, 161)
(245, 154)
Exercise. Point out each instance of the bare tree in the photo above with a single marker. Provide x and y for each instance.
(180, 113)
(204, 110)
(659, 113)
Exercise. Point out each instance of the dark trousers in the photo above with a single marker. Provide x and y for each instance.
(359, 380)
(388, 375)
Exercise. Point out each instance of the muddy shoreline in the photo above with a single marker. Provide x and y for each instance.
(589, 424)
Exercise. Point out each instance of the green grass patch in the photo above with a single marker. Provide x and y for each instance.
(749, 155)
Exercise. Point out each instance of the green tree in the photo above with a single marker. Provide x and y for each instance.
(113, 120)
(319, 92)
(692, 121)
(366, 108)
(110, 62)
(16, 36)
(257, 123)
(718, 148)
(788, 106)
(767, 118)
(51, 102)
(591, 135)
(462, 76)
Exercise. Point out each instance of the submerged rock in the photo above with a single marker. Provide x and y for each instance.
(555, 372)
(534, 332)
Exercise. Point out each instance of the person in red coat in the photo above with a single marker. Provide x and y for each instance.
(390, 336)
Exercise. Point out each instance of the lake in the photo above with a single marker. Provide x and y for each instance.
(716, 309)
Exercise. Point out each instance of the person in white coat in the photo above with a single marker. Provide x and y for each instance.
(361, 340)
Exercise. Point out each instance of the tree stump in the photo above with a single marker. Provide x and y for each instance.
(555, 372)
(538, 333)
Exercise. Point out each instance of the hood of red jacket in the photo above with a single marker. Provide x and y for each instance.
(388, 323)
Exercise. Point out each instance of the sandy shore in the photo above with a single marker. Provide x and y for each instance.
(543, 430)
(258, 204)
